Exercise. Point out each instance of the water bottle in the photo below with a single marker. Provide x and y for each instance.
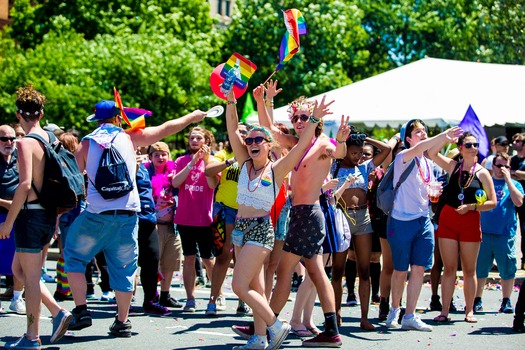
(231, 76)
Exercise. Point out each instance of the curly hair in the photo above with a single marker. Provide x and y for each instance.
(29, 103)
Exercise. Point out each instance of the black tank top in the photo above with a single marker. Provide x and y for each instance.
(454, 190)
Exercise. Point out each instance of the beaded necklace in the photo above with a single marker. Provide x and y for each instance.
(426, 179)
(461, 195)
(260, 177)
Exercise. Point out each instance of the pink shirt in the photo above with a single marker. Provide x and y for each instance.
(195, 196)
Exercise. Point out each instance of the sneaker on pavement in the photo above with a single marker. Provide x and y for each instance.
(80, 320)
(243, 309)
(351, 299)
(18, 306)
(107, 296)
(221, 303)
(200, 281)
(415, 323)
(121, 329)
(506, 306)
(60, 324)
(24, 343)
(8, 294)
(244, 332)
(324, 341)
(392, 320)
(278, 333)
(435, 303)
(190, 306)
(253, 343)
(478, 305)
(154, 308)
(170, 302)
(45, 277)
(211, 310)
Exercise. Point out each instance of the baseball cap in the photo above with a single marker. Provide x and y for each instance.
(104, 110)
(51, 127)
(500, 140)
(158, 146)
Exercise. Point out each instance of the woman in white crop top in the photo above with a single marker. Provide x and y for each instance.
(354, 202)
(253, 236)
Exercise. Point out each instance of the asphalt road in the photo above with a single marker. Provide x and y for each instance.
(196, 331)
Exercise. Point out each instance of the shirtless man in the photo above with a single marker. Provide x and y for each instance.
(307, 226)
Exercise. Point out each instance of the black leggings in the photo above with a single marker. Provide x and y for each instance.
(148, 240)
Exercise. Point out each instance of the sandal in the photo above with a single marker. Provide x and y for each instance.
(471, 319)
(441, 319)
(314, 330)
(301, 332)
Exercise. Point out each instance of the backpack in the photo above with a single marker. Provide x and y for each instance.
(63, 185)
(112, 179)
(386, 191)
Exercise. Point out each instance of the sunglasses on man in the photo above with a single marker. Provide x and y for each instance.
(303, 117)
(5, 139)
(471, 144)
(258, 140)
(502, 166)
(503, 144)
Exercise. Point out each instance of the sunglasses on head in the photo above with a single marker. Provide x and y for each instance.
(5, 139)
(502, 166)
(471, 144)
(303, 117)
(361, 137)
(258, 140)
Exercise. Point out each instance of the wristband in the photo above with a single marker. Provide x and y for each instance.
(314, 120)
(189, 166)
(340, 142)
(475, 207)
(227, 162)
(230, 103)
(269, 103)
(397, 138)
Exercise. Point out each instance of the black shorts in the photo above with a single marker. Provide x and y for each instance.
(34, 228)
(306, 231)
(192, 235)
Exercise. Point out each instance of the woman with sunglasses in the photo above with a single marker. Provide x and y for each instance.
(253, 236)
(355, 205)
(459, 229)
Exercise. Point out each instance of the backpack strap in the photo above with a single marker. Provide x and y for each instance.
(46, 144)
(404, 176)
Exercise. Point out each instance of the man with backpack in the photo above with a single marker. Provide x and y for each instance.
(35, 225)
(109, 222)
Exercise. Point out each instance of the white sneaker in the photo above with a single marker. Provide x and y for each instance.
(278, 333)
(415, 323)
(18, 306)
(253, 343)
(393, 316)
(221, 303)
(107, 296)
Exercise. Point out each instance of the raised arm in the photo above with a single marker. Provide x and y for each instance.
(271, 92)
(515, 194)
(384, 150)
(443, 162)
(152, 134)
(392, 144)
(341, 137)
(232, 124)
(285, 164)
(446, 136)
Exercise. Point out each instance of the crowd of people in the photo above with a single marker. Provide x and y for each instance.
(275, 205)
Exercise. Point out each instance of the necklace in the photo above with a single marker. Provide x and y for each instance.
(304, 155)
(425, 178)
(260, 176)
(461, 195)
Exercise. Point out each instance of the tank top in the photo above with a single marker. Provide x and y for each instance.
(453, 190)
(258, 193)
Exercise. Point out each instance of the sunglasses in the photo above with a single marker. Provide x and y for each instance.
(258, 140)
(518, 141)
(502, 166)
(5, 139)
(471, 144)
(303, 117)
(504, 144)
(361, 137)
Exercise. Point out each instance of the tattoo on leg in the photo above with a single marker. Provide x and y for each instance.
(30, 319)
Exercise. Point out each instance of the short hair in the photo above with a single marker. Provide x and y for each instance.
(29, 103)
(69, 141)
(501, 155)
(410, 127)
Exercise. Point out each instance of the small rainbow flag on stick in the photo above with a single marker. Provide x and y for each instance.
(290, 45)
(134, 117)
(247, 69)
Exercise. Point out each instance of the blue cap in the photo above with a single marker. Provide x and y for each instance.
(104, 110)
(402, 132)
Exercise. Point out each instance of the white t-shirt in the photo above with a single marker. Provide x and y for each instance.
(411, 201)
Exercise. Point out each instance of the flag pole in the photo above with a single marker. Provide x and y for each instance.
(271, 75)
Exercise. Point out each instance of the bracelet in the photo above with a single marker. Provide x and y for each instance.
(269, 103)
(340, 142)
(230, 103)
(475, 206)
(397, 138)
(227, 162)
(189, 166)
(314, 120)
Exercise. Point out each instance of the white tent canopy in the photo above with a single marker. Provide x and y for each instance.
(437, 91)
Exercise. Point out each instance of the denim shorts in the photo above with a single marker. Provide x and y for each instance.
(411, 242)
(283, 221)
(115, 235)
(229, 213)
(34, 228)
(499, 247)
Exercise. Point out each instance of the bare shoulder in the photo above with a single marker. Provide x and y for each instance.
(326, 148)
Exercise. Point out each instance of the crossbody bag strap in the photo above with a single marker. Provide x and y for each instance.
(404, 176)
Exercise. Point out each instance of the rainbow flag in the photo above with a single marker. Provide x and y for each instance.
(118, 101)
(290, 45)
(247, 69)
(137, 117)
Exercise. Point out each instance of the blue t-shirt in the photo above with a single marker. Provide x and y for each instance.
(502, 219)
